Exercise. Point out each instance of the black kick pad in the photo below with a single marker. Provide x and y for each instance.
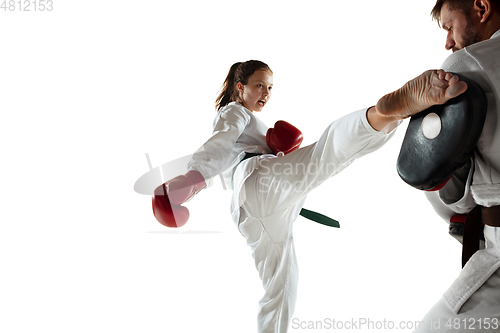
(441, 139)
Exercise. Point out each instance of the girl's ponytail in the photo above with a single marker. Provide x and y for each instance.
(228, 87)
(239, 72)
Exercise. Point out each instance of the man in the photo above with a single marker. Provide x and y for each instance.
(473, 300)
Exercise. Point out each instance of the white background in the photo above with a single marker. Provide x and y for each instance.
(90, 87)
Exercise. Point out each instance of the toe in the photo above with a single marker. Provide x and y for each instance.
(441, 74)
(454, 79)
(456, 89)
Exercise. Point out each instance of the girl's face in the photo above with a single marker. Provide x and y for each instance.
(257, 92)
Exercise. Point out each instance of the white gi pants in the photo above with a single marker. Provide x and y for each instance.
(269, 192)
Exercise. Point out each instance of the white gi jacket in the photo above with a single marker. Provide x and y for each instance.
(480, 62)
(236, 132)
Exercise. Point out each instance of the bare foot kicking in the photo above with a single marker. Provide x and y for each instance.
(433, 87)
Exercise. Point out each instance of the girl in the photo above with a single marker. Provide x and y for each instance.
(269, 190)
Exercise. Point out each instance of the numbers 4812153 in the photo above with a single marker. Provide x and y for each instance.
(473, 324)
(27, 5)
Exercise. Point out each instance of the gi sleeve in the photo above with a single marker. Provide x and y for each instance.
(217, 153)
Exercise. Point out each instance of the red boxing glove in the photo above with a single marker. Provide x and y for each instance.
(169, 196)
(169, 215)
(284, 137)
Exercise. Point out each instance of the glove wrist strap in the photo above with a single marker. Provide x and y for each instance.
(197, 179)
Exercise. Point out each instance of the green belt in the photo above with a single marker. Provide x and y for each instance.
(319, 218)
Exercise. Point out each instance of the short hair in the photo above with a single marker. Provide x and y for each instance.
(464, 6)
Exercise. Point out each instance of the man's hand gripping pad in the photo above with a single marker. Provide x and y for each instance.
(442, 138)
(284, 138)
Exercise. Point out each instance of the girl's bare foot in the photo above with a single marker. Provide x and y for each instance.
(432, 87)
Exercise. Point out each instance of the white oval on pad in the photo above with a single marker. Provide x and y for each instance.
(431, 126)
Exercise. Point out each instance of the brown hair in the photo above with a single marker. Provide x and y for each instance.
(464, 6)
(239, 72)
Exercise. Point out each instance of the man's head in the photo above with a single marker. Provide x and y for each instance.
(467, 21)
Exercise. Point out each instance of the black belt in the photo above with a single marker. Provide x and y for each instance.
(308, 214)
(249, 155)
(473, 228)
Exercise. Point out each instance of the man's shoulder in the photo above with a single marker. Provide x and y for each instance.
(478, 56)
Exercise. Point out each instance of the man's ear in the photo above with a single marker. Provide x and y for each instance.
(483, 9)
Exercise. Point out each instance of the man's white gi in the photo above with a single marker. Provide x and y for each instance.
(474, 297)
(269, 192)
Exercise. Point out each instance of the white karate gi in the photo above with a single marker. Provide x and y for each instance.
(269, 192)
(475, 294)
